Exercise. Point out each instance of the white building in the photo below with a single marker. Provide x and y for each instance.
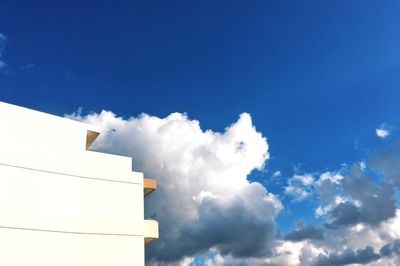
(63, 205)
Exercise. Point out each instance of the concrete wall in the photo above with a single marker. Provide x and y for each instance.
(61, 204)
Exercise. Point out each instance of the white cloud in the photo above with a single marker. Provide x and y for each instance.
(332, 177)
(297, 192)
(321, 211)
(382, 131)
(204, 199)
(327, 187)
(206, 204)
(390, 229)
(285, 253)
(299, 186)
(306, 180)
(277, 174)
(363, 166)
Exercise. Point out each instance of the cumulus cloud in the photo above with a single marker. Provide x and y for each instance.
(327, 186)
(285, 253)
(361, 256)
(323, 210)
(360, 209)
(391, 249)
(372, 202)
(387, 162)
(3, 39)
(305, 232)
(356, 197)
(348, 245)
(204, 200)
(344, 214)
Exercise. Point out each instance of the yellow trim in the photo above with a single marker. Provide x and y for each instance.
(149, 185)
(91, 137)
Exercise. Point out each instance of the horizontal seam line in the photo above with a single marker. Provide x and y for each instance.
(77, 176)
(63, 232)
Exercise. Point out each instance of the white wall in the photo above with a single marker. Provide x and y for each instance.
(61, 204)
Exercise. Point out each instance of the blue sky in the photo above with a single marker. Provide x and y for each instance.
(317, 77)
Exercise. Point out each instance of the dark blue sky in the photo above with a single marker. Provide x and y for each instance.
(317, 77)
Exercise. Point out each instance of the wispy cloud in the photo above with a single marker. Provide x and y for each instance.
(299, 187)
(27, 66)
(3, 39)
(277, 174)
(306, 180)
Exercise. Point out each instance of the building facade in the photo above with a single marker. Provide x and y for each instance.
(62, 204)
